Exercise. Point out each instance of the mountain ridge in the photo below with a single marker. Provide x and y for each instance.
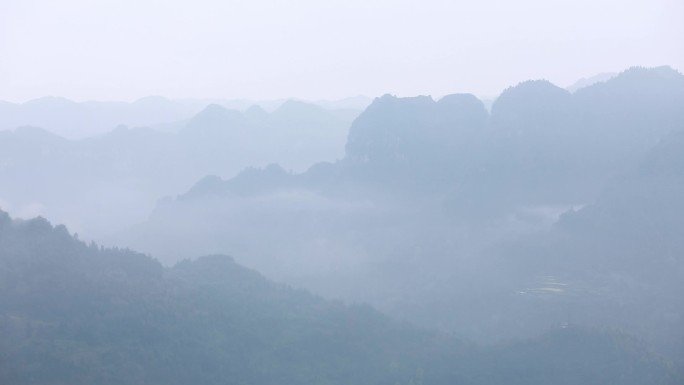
(73, 313)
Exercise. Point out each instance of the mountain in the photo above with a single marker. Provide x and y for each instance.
(550, 147)
(214, 119)
(296, 135)
(586, 82)
(359, 102)
(106, 182)
(640, 212)
(526, 152)
(633, 110)
(81, 314)
(79, 120)
(619, 257)
(406, 131)
(436, 200)
(531, 105)
(94, 184)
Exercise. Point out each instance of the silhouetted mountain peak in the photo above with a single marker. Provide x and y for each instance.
(638, 82)
(210, 184)
(531, 103)
(216, 118)
(464, 110)
(661, 72)
(215, 110)
(586, 82)
(396, 130)
(530, 93)
(300, 111)
(250, 181)
(458, 100)
(256, 178)
(256, 112)
(50, 101)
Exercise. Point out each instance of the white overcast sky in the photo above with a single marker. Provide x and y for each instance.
(316, 49)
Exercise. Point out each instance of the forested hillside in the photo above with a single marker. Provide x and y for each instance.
(556, 208)
(72, 313)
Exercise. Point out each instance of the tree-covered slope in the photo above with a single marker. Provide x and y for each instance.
(77, 314)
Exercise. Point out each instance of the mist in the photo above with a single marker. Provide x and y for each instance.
(344, 193)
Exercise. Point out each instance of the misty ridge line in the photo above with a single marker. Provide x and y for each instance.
(435, 200)
(545, 229)
(157, 111)
(255, 192)
(79, 120)
(211, 124)
(296, 136)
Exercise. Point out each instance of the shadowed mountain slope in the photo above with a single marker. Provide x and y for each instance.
(77, 314)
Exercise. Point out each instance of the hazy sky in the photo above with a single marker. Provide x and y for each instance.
(311, 49)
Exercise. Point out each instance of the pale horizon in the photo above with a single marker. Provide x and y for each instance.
(266, 50)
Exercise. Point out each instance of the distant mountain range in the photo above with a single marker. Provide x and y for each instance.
(540, 145)
(555, 207)
(438, 206)
(77, 120)
(105, 182)
(586, 82)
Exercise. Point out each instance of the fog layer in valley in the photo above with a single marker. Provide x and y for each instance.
(103, 183)
(523, 234)
(440, 206)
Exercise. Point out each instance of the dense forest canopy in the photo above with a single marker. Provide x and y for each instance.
(72, 313)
